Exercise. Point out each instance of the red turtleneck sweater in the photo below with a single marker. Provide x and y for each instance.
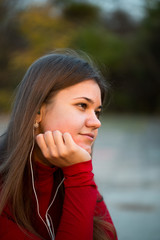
(73, 221)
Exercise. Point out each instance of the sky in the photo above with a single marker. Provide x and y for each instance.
(134, 7)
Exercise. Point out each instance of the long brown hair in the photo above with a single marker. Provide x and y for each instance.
(42, 80)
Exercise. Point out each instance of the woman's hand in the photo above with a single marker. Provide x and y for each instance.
(60, 149)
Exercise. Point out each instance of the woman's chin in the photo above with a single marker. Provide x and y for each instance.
(87, 148)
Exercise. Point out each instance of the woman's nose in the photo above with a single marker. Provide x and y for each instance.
(93, 121)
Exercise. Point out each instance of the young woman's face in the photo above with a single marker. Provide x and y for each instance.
(75, 110)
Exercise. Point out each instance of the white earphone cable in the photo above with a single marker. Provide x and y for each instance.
(48, 224)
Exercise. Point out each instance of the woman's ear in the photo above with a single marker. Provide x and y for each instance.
(40, 114)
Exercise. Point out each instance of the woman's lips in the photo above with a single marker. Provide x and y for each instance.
(90, 136)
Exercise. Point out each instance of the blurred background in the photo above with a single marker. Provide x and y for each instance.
(123, 38)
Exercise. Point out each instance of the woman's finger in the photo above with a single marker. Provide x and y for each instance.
(59, 142)
(58, 139)
(48, 137)
(42, 144)
(68, 140)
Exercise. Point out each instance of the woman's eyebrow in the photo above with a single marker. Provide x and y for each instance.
(88, 100)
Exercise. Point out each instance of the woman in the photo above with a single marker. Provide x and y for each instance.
(47, 185)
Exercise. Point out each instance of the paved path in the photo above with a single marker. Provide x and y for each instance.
(127, 170)
(126, 164)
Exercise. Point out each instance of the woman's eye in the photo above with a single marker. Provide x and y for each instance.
(82, 105)
(98, 113)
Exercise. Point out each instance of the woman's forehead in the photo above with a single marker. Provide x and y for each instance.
(86, 88)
